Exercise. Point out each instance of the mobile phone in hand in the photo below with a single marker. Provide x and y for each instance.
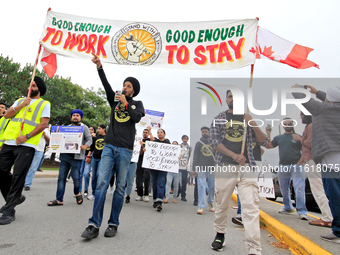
(117, 91)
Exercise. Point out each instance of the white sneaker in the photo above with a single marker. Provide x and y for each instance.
(146, 199)
(139, 198)
(211, 207)
(200, 210)
(90, 197)
(303, 217)
(283, 211)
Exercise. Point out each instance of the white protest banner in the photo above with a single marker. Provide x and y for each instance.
(154, 119)
(161, 156)
(264, 179)
(208, 45)
(136, 148)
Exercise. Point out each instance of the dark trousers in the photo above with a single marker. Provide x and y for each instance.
(331, 184)
(196, 190)
(158, 184)
(142, 177)
(183, 187)
(11, 185)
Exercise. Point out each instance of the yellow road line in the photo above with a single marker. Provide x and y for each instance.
(298, 244)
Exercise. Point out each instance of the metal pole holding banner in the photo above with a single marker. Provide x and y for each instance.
(246, 124)
(29, 89)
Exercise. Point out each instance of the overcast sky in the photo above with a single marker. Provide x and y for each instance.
(309, 23)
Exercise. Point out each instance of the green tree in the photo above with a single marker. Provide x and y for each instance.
(63, 95)
(13, 80)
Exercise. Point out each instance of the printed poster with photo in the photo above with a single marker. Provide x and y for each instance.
(154, 119)
(66, 139)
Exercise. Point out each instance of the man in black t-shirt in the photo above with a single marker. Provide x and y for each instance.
(94, 156)
(143, 174)
(235, 169)
(119, 140)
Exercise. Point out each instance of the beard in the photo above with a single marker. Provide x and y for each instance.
(231, 106)
(205, 137)
(34, 93)
(75, 122)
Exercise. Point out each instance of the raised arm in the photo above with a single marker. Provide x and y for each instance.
(110, 94)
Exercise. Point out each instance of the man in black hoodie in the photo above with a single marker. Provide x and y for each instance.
(203, 160)
(117, 151)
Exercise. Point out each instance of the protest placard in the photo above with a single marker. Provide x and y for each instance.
(66, 139)
(161, 156)
(154, 119)
(264, 179)
(136, 148)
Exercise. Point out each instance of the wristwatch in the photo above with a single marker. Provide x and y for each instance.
(28, 136)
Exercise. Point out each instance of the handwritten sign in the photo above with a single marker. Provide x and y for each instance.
(136, 149)
(264, 179)
(161, 156)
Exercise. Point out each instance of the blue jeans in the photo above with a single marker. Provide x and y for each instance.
(95, 164)
(158, 184)
(205, 179)
(87, 171)
(296, 173)
(38, 155)
(130, 177)
(81, 173)
(332, 190)
(120, 157)
(41, 161)
(68, 162)
(169, 178)
(238, 205)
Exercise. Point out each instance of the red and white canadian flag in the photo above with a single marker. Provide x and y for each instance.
(271, 46)
(49, 63)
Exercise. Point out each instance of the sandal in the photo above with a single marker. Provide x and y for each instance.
(54, 203)
(321, 223)
(79, 199)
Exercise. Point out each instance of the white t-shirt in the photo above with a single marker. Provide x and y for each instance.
(46, 113)
(42, 142)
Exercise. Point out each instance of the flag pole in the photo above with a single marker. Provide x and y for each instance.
(29, 89)
(246, 124)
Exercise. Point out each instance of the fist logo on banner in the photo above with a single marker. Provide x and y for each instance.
(137, 44)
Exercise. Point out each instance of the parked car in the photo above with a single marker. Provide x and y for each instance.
(310, 201)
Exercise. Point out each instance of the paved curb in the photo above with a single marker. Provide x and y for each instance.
(46, 174)
(298, 244)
